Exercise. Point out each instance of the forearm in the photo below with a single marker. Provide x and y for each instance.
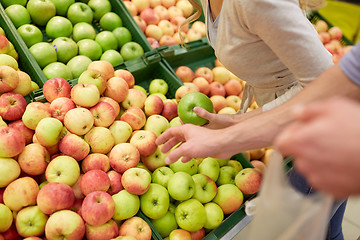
(259, 131)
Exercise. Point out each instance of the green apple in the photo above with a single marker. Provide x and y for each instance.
(121, 131)
(9, 171)
(109, 21)
(8, 61)
(165, 224)
(222, 162)
(107, 40)
(80, 12)
(236, 164)
(188, 102)
(63, 169)
(78, 65)
(190, 215)
(2, 32)
(99, 8)
(58, 27)
(205, 188)
(155, 160)
(227, 175)
(31, 34)
(155, 202)
(6, 218)
(175, 122)
(113, 57)
(131, 50)
(7, 3)
(122, 35)
(158, 86)
(57, 70)
(62, 6)
(157, 124)
(83, 30)
(210, 167)
(126, 205)
(94, 77)
(214, 215)
(41, 11)
(48, 131)
(140, 88)
(44, 53)
(189, 167)
(30, 221)
(162, 175)
(229, 198)
(65, 48)
(90, 48)
(34, 86)
(181, 186)
(18, 15)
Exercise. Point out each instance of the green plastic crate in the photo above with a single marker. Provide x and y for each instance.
(26, 61)
(117, 6)
(315, 16)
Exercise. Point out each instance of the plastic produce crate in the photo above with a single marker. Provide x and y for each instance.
(315, 16)
(117, 6)
(26, 61)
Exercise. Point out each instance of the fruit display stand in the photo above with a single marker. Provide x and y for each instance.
(25, 59)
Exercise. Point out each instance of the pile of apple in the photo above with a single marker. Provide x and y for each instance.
(160, 21)
(82, 165)
(330, 37)
(72, 41)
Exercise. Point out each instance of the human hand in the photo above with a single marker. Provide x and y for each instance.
(216, 121)
(324, 139)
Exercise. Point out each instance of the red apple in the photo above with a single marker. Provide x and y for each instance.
(108, 230)
(162, 12)
(103, 113)
(60, 106)
(217, 88)
(140, 22)
(12, 106)
(34, 112)
(74, 146)
(105, 68)
(117, 88)
(205, 72)
(144, 141)
(124, 156)
(12, 142)
(113, 103)
(202, 84)
(55, 88)
(94, 180)
(136, 227)
(126, 75)
(170, 109)
(9, 79)
(149, 16)
(95, 161)
(153, 105)
(115, 182)
(34, 159)
(249, 180)
(27, 132)
(233, 87)
(135, 117)
(97, 208)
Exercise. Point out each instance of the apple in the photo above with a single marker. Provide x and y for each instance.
(99, 8)
(65, 223)
(85, 94)
(18, 15)
(95, 161)
(153, 31)
(162, 96)
(154, 203)
(181, 186)
(48, 131)
(321, 26)
(202, 84)
(107, 40)
(11, 233)
(60, 106)
(78, 121)
(126, 205)
(34, 159)
(9, 170)
(100, 140)
(185, 89)
(97, 208)
(227, 175)
(178, 21)
(188, 102)
(63, 169)
(40, 11)
(184, 73)
(155, 160)
(153, 106)
(6, 218)
(144, 141)
(136, 180)
(12, 142)
(229, 198)
(131, 50)
(214, 215)
(190, 215)
(7, 3)
(9, 79)
(8, 60)
(54, 197)
(162, 175)
(141, 4)
(21, 193)
(335, 33)
(260, 165)
(113, 57)
(178, 234)
(126, 75)
(121, 131)
(157, 124)
(109, 21)
(12, 106)
(30, 33)
(66, 49)
(219, 102)
(43, 52)
(233, 87)
(166, 224)
(104, 114)
(80, 12)
(34, 112)
(175, 122)
(30, 221)
(83, 30)
(124, 156)
(158, 86)
(62, 6)
(205, 188)
(2, 122)
(24, 87)
(131, 8)
(193, 35)
(205, 72)
(170, 109)
(115, 182)
(149, 16)
(248, 180)
(140, 22)
(134, 98)
(108, 230)
(221, 74)
(186, 7)
(123, 35)
(90, 48)
(136, 227)
(95, 76)
(200, 27)
(5, 45)
(217, 88)
(58, 26)
(78, 65)
(190, 167)
(135, 117)
(74, 146)
(236, 164)
(94, 180)
(57, 70)
(233, 102)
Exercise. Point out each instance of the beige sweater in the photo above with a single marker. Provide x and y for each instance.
(271, 45)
